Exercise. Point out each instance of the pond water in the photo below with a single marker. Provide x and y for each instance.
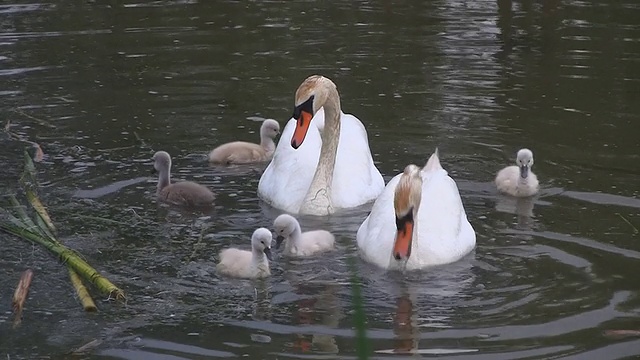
(477, 79)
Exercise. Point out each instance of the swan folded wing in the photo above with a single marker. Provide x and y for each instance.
(187, 193)
(443, 218)
(237, 152)
(507, 179)
(356, 180)
(247, 154)
(316, 241)
(235, 262)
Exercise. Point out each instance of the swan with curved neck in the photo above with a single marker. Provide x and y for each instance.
(418, 221)
(406, 202)
(314, 93)
(336, 152)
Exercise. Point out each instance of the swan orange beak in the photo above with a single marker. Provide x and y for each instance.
(404, 237)
(302, 126)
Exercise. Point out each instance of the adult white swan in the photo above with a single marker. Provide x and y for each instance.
(325, 166)
(418, 221)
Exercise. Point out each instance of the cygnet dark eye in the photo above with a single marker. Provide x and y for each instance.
(262, 242)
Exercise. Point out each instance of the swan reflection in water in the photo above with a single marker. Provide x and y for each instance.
(428, 299)
(521, 207)
(323, 309)
(405, 326)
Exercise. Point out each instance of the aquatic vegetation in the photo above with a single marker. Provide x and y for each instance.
(15, 220)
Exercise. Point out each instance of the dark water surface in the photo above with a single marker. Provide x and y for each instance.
(478, 79)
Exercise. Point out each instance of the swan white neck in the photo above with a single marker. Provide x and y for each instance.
(415, 198)
(294, 238)
(260, 262)
(164, 179)
(267, 144)
(258, 256)
(318, 198)
(414, 235)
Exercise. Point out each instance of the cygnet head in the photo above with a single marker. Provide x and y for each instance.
(311, 95)
(270, 128)
(284, 225)
(261, 241)
(406, 202)
(524, 160)
(162, 161)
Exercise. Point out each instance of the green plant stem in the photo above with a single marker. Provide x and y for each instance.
(69, 258)
(359, 316)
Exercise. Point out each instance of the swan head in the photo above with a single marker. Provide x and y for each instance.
(270, 128)
(261, 241)
(406, 202)
(311, 95)
(161, 161)
(524, 159)
(284, 225)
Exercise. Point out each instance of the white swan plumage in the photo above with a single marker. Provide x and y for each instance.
(326, 166)
(518, 180)
(298, 243)
(418, 221)
(253, 264)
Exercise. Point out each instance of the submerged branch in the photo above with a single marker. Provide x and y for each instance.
(39, 121)
(635, 229)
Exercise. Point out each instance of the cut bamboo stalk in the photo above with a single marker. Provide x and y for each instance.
(29, 170)
(29, 183)
(42, 233)
(40, 210)
(69, 258)
(23, 217)
(20, 296)
(83, 294)
(44, 227)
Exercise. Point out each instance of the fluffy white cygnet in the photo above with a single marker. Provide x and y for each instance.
(184, 193)
(518, 180)
(247, 264)
(242, 152)
(298, 243)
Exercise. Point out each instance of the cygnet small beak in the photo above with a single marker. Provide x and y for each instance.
(267, 251)
(279, 240)
(524, 171)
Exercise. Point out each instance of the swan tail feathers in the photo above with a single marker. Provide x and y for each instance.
(434, 162)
